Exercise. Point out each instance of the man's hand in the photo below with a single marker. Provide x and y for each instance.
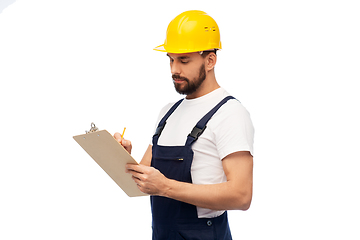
(149, 180)
(125, 143)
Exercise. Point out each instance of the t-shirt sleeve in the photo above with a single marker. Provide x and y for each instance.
(233, 129)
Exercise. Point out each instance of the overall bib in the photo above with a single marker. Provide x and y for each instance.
(172, 219)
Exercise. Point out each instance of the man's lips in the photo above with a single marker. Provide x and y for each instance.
(178, 80)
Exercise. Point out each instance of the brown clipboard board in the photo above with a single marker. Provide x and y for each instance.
(112, 157)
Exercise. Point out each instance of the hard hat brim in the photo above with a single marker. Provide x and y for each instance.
(160, 48)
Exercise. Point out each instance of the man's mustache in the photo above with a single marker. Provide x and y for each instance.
(176, 76)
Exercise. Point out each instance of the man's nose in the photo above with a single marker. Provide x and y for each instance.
(175, 68)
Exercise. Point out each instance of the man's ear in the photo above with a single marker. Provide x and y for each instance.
(210, 61)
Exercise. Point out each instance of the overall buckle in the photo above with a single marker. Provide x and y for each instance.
(196, 132)
(159, 130)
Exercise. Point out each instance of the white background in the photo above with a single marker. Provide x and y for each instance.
(65, 64)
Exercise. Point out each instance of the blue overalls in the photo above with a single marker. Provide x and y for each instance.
(172, 219)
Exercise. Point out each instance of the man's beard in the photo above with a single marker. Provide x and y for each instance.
(190, 87)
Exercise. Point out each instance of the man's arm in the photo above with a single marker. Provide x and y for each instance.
(235, 193)
(146, 160)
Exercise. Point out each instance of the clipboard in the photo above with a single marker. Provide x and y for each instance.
(111, 156)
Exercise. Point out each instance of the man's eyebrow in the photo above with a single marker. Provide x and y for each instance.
(184, 57)
(181, 58)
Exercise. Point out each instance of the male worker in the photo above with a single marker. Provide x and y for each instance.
(200, 161)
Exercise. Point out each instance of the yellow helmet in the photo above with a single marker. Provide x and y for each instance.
(191, 31)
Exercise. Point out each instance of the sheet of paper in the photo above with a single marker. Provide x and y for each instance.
(112, 157)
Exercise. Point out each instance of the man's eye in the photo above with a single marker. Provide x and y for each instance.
(184, 62)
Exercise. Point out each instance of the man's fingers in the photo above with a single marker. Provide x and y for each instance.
(125, 143)
(133, 168)
(117, 136)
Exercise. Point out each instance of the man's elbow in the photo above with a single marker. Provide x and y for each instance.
(243, 201)
(245, 206)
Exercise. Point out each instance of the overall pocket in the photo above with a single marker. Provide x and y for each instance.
(175, 167)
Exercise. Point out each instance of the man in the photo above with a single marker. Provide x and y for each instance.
(200, 162)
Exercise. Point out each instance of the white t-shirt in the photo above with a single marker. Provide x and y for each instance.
(229, 130)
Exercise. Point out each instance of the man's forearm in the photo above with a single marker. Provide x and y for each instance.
(222, 196)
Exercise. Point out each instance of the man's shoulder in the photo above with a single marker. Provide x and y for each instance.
(232, 109)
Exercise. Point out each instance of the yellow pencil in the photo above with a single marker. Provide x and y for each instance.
(122, 135)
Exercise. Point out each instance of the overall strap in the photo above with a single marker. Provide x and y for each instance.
(162, 122)
(201, 125)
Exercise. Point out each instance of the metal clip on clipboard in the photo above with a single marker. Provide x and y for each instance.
(92, 129)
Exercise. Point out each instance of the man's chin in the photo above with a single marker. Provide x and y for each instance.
(180, 90)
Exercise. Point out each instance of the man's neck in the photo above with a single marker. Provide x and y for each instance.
(210, 84)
